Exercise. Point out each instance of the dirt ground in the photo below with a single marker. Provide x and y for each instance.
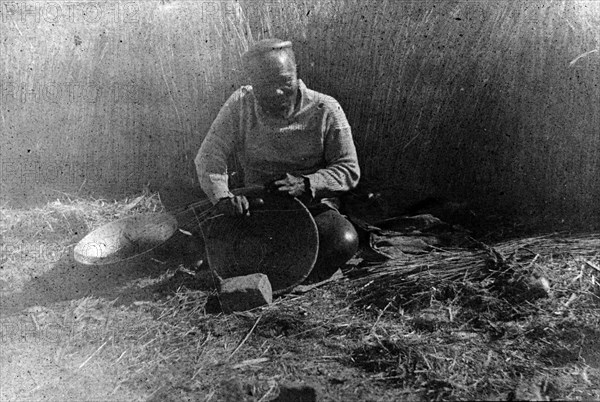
(148, 330)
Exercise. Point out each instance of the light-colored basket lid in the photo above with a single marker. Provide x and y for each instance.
(125, 238)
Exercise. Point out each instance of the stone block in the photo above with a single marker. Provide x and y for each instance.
(242, 293)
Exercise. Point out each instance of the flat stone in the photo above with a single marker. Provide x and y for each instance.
(242, 293)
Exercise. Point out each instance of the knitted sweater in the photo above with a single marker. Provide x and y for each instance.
(315, 142)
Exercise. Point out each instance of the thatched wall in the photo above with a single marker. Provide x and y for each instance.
(493, 102)
(103, 98)
(482, 100)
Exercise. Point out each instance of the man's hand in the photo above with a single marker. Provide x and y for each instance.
(292, 185)
(237, 205)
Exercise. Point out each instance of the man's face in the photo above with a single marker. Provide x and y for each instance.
(275, 83)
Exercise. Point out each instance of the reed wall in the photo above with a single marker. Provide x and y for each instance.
(497, 103)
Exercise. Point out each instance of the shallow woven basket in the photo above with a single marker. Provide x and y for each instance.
(279, 239)
(125, 239)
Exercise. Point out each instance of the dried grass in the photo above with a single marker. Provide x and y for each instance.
(33, 240)
(420, 278)
(453, 324)
(513, 321)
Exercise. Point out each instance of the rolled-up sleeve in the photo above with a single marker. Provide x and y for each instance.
(342, 171)
(218, 145)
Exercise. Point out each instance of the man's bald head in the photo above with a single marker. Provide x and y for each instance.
(271, 67)
(264, 50)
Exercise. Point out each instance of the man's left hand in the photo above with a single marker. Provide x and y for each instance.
(292, 185)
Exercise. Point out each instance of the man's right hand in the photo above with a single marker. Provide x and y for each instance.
(237, 205)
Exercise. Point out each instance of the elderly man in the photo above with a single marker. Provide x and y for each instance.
(290, 139)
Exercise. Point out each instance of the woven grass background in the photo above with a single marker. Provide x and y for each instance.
(492, 102)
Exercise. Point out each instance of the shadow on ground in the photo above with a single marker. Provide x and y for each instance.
(146, 277)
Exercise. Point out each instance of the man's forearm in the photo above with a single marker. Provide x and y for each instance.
(215, 186)
(335, 179)
(219, 143)
(342, 172)
(211, 165)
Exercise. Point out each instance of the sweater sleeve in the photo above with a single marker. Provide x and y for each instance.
(342, 171)
(218, 145)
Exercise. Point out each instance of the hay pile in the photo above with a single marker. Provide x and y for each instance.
(513, 321)
(509, 265)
